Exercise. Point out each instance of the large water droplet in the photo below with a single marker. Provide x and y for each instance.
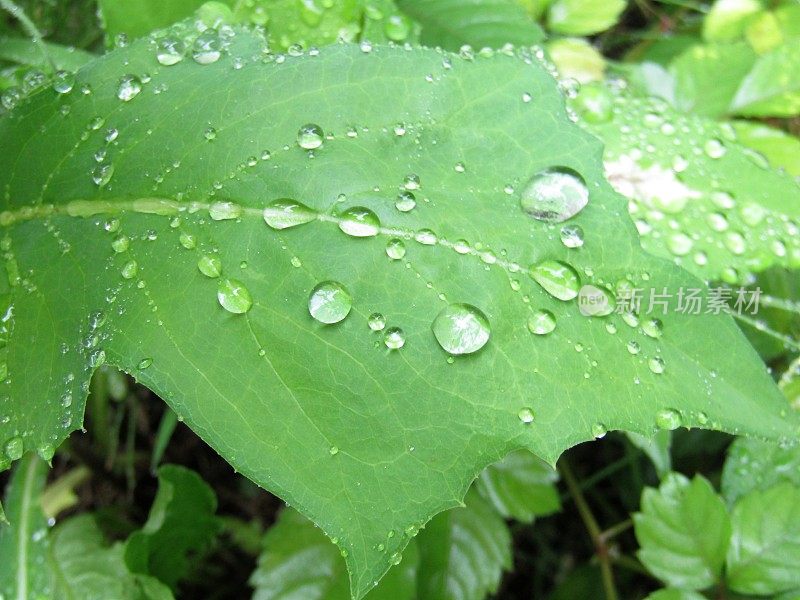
(555, 195)
(653, 328)
(233, 296)
(461, 329)
(572, 236)
(129, 87)
(170, 51)
(310, 136)
(656, 365)
(359, 222)
(541, 322)
(130, 269)
(285, 213)
(223, 211)
(63, 82)
(394, 338)
(14, 448)
(405, 201)
(210, 266)
(395, 249)
(376, 322)
(595, 302)
(207, 47)
(329, 302)
(102, 174)
(558, 279)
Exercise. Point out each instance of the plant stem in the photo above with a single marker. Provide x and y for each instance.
(30, 27)
(593, 528)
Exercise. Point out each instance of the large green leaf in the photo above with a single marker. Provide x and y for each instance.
(181, 525)
(367, 438)
(463, 552)
(26, 52)
(299, 563)
(23, 541)
(684, 530)
(765, 545)
(479, 23)
(697, 196)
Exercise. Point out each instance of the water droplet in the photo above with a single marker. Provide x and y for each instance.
(170, 51)
(144, 363)
(669, 419)
(595, 302)
(46, 452)
(555, 195)
(394, 338)
(129, 87)
(102, 174)
(634, 347)
(599, 430)
(411, 181)
(207, 48)
(223, 211)
(14, 448)
(359, 222)
(542, 322)
(679, 244)
(397, 28)
(461, 329)
(329, 302)
(121, 244)
(656, 365)
(653, 328)
(187, 240)
(395, 249)
(130, 269)
(572, 236)
(426, 237)
(558, 279)
(405, 201)
(63, 82)
(334, 450)
(285, 213)
(526, 415)
(233, 296)
(376, 322)
(714, 148)
(310, 136)
(210, 133)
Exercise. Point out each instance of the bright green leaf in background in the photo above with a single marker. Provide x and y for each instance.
(139, 18)
(697, 196)
(583, 17)
(575, 58)
(463, 552)
(756, 465)
(675, 594)
(765, 544)
(780, 149)
(142, 209)
(684, 530)
(728, 18)
(772, 87)
(479, 23)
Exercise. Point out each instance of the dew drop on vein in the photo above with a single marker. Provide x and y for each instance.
(359, 221)
(329, 302)
(310, 136)
(285, 213)
(558, 279)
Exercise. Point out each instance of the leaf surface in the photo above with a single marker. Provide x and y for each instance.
(133, 234)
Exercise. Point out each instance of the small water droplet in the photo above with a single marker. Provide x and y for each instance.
(285, 213)
(714, 148)
(669, 419)
(144, 363)
(394, 338)
(233, 296)
(14, 448)
(526, 415)
(411, 181)
(555, 195)
(376, 322)
(210, 266)
(334, 450)
(558, 279)
(599, 430)
(406, 201)
(129, 87)
(572, 236)
(461, 329)
(223, 211)
(358, 221)
(170, 51)
(656, 365)
(207, 48)
(542, 322)
(130, 269)
(310, 136)
(634, 347)
(395, 249)
(121, 244)
(210, 133)
(102, 174)
(63, 82)
(188, 240)
(653, 328)
(329, 302)
(426, 237)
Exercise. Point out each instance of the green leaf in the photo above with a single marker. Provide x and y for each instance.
(657, 449)
(583, 17)
(770, 29)
(756, 465)
(298, 561)
(23, 542)
(136, 19)
(683, 531)
(575, 58)
(697, 196)
(765, 544)
(23, 51)
(366, 438)
(698, 87)
(675, 594)
(463, 552)
(521, 487)
(781, 149)
(479, 23)
(181, 525)
(84, 567)
(728, 18)
(772, 87)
